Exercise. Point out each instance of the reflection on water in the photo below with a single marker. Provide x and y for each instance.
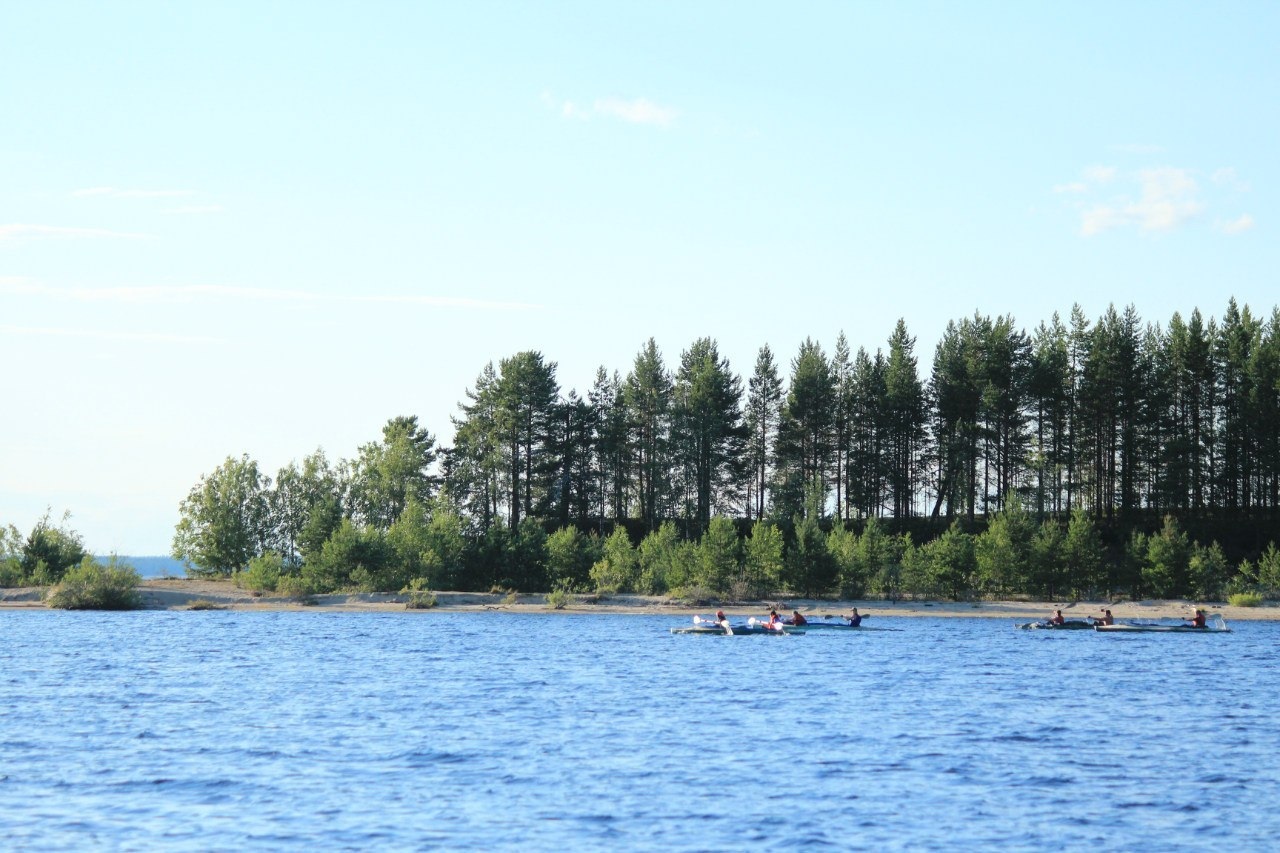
(235, 730)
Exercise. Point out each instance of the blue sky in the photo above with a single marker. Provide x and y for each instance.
(265, 228)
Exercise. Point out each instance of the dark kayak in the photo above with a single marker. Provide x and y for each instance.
(1219, 627)
(713, 630)
(1069, 625)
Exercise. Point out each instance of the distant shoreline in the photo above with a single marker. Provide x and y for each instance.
(189, 594)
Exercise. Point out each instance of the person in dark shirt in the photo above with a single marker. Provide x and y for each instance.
(797, 618)
(854, 618)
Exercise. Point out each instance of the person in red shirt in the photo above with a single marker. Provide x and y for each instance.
(797, 618)
(1196, 621)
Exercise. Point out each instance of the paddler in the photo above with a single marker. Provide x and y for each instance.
(1058, 618)
(1197, 621)
(855, 620)
(797, 618)
(1105, 619)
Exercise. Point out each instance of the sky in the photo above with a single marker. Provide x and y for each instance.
(266, 228)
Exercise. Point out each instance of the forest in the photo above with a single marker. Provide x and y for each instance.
(1096, 457)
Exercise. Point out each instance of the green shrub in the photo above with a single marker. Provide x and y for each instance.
(205, 604)
(295, 586)
(693, 595)
(1245, 599)
(94, 586)
(558, 599)
(420, 597)
(513, 597)
(262, 575)
(11, 573)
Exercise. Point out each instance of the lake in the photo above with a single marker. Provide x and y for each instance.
(233, 731)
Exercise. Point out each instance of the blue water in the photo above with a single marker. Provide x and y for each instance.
(228, 731)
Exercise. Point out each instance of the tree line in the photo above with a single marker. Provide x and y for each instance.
(1009, 437)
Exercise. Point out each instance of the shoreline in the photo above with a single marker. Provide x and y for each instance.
(190, 593)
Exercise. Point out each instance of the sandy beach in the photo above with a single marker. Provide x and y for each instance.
(190, 594)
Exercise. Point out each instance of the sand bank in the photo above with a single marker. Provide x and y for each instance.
(186, 594)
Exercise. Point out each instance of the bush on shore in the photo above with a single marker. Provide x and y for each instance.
(420, 595)
(95, 586)
(262, 575)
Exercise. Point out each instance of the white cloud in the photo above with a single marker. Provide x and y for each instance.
(16, 284)
(632, 111)
(19, 231)
(1168, 199)
(227, 293)
(112, 192)
(195, 209)
(1138, 148)
(1235, 226)
(1099, 219)
(1226, 177)
(1100, 174)
(101, 335)
(1075, 187)
(636, 111)
(1158, 199)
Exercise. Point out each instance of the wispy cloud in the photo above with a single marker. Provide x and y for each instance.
(1138, 148)
(1091, 177)
(636, 111)
(113, 192)
(20, 231)
(107, 335)
(1100, 174)
(1226, 177)
(193, 209)
(629, 110)
(1166, 199)
(16, 284)
(1241, 223)
(226, 293)
(1151, 200)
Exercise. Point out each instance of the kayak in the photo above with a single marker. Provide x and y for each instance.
(738, 630)
(837, 626)
(1069, 625)
(1141, 627)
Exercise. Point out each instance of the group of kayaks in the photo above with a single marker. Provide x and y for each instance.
(1216, 626)
(724, 627)
(702, 625)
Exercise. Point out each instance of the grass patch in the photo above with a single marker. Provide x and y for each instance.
(558, 599)
(1245, 599)
(205, 604)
